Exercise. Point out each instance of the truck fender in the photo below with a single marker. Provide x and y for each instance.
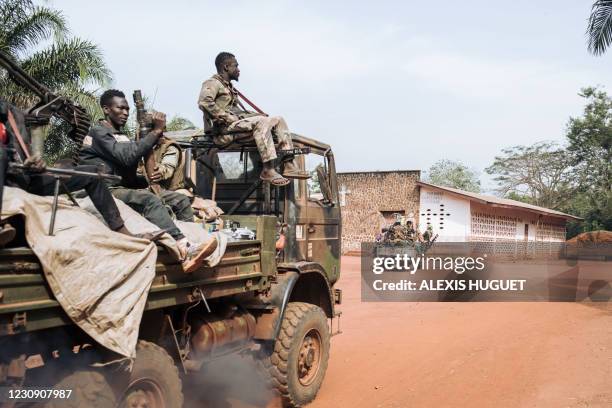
(302, 282)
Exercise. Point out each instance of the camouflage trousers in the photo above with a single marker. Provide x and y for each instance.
(262, 129)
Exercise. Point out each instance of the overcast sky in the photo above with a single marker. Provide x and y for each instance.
(389, 84)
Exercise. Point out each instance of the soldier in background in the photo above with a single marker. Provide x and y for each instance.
(170, 175)
(169, 172)
(219, 99)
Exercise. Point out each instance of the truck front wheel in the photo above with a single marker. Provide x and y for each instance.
(298, 362)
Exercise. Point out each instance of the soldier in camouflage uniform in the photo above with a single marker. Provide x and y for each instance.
(169, 172)
(219, 99)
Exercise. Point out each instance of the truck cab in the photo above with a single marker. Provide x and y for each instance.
(307, 210)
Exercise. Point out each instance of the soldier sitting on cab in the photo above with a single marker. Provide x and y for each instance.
(219, 100)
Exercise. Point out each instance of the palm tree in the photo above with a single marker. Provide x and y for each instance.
(599, 30)
(70, 66)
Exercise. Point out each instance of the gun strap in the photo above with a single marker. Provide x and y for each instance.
(249, 102)
(13, 124)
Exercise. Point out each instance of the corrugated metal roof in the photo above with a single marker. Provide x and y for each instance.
(500, 202)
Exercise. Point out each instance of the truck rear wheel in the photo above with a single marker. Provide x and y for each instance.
(298, 362)
(89, 388)
(154, 381)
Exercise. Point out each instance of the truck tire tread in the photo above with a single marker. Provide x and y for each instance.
(277, 365)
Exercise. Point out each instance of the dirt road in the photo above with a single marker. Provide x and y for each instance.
(467, 354)
(464, 354)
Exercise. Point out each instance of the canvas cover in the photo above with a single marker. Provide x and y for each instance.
(101, 278)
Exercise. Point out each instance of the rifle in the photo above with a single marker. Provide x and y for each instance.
(58, 174)
(144, 127)
(49, 105)
(6, 165)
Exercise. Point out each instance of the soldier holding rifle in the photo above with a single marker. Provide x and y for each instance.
(107, 146)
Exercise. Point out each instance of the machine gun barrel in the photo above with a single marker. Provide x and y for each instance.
(69, 172)
(50, 104)
(22, 77)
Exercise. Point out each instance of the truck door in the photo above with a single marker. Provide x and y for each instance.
(321, 226)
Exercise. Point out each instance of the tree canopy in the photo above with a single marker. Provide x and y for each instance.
(573, 178)
(541, 174)
(590, 146)
(38, 39)
(453, 174)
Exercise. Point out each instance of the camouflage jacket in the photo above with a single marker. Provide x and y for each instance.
(219, 99)
(169, 159)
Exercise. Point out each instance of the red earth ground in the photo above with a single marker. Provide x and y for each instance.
(454, 355)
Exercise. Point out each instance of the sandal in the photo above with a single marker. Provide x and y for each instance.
(276, 180)
(196, 254)
(300, 175)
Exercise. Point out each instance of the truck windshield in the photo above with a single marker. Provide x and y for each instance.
(235, 166)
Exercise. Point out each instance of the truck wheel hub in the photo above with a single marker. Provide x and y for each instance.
(310, 357)
(143, 393)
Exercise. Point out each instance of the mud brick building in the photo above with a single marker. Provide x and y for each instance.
(368, 201)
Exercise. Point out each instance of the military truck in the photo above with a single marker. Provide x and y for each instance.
(264, 299)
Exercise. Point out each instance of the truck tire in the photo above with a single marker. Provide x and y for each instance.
(298, 362)
(89, 389)
(154, 380)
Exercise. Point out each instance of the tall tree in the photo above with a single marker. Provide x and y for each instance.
(453, 174)
(599, 29)
(37, 38)
(590, 145)
(541, 174)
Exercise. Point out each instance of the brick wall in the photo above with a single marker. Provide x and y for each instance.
(372, 196)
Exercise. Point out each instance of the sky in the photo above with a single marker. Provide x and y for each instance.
(390, 85)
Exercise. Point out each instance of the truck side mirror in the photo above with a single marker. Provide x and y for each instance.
(324, 184)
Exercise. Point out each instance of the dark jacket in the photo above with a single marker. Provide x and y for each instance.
(114, 153)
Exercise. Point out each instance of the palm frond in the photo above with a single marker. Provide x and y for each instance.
(27, 26)
(73, 60)
(599, 30)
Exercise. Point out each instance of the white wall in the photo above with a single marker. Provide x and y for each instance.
(448, 215)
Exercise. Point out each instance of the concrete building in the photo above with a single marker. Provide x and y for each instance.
(369, 200)
(506, 227)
